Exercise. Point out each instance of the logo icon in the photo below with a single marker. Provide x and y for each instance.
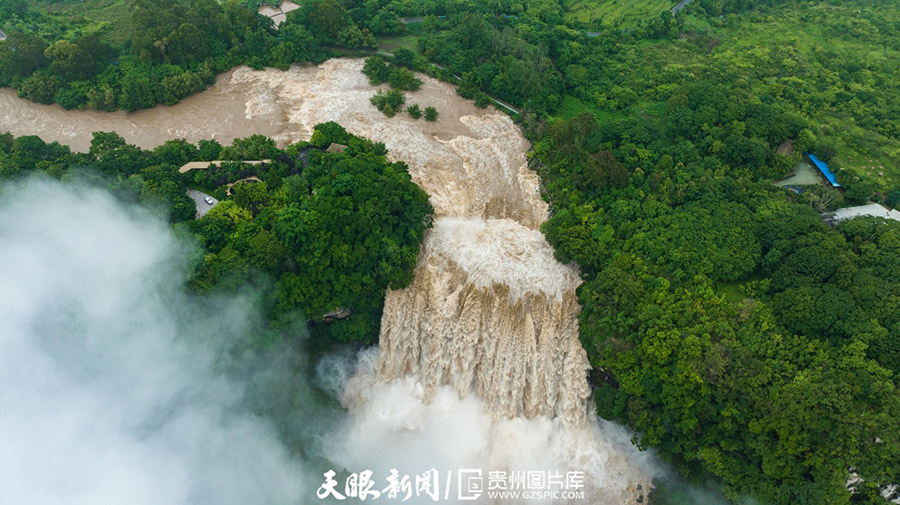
(470, 484)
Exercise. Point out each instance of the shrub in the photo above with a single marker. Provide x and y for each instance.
(403, 57)
(376, 69)
(414, 110)
(482, 100)
(389, 102)
(431, 114)
(893, 199)
(70, 98)
(401, 78)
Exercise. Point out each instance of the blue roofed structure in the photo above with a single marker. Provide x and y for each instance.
(823, 167)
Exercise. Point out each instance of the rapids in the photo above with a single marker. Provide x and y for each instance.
(491, 316)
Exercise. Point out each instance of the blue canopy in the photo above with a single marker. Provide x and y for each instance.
(824, 169)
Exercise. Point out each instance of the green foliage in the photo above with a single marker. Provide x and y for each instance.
(390, 102)
(70, 98)
(356, 234)
(379, 71)
(325, 134)
(173, 49)
(387, 23)
(505, 64)
(893, 199)
(756, 389)
(592, 14)
(79, 59)
(403, 79)
(741, 336)
(431, 114)
(335, 236)
(332, 25)
(707, 239)
(137, 93)
(376, 69)
(254, 147)
(40, 87)
(414, 111)
(403, 57)
(21, 54)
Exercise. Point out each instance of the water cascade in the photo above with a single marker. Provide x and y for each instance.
(486, 337)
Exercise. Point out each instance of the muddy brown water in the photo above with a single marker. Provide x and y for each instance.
(491, 313)
(217, 113)
(477, 152)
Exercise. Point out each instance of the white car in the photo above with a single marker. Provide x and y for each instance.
(208, 200)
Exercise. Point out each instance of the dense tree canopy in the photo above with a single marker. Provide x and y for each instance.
(175, 49)
(320, 231)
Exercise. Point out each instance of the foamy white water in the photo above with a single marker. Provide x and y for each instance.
(480, 362)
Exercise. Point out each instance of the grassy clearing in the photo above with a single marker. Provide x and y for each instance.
(624, 12)
(390, 43)
(571, 107)
(732, 291)
(864, 152)
(111, 17)
(752, 41)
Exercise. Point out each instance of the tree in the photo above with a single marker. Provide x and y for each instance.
(176, 152)
(414, 111)
(296, 44)
(390, 102)
(325, 134)
(254, 147)
(376, 69)
(208, 150)
(78, 60)
(137, 92)
(20, 55)
(431, 114)
(40, 87)
(13, 8)
(401, 78)
(387, 23)
(403, 57)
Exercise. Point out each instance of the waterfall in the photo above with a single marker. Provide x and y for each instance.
(491, 313)
(479, 362)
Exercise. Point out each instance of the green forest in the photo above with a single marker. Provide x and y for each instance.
(320, 232)
(733, 329)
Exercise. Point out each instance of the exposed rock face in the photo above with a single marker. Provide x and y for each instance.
(338, 314)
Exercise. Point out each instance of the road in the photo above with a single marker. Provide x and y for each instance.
(417, 19)
(202, 206)
(681, 5)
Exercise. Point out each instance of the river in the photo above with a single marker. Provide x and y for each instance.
(489, 325)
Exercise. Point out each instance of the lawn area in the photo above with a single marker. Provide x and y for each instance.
(390, 43)
(625, 12)
(572, 106)
(100, 13)
(865, 153)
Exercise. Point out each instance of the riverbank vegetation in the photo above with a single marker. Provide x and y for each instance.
(172, 48)
(319, 233)
(728, 324)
